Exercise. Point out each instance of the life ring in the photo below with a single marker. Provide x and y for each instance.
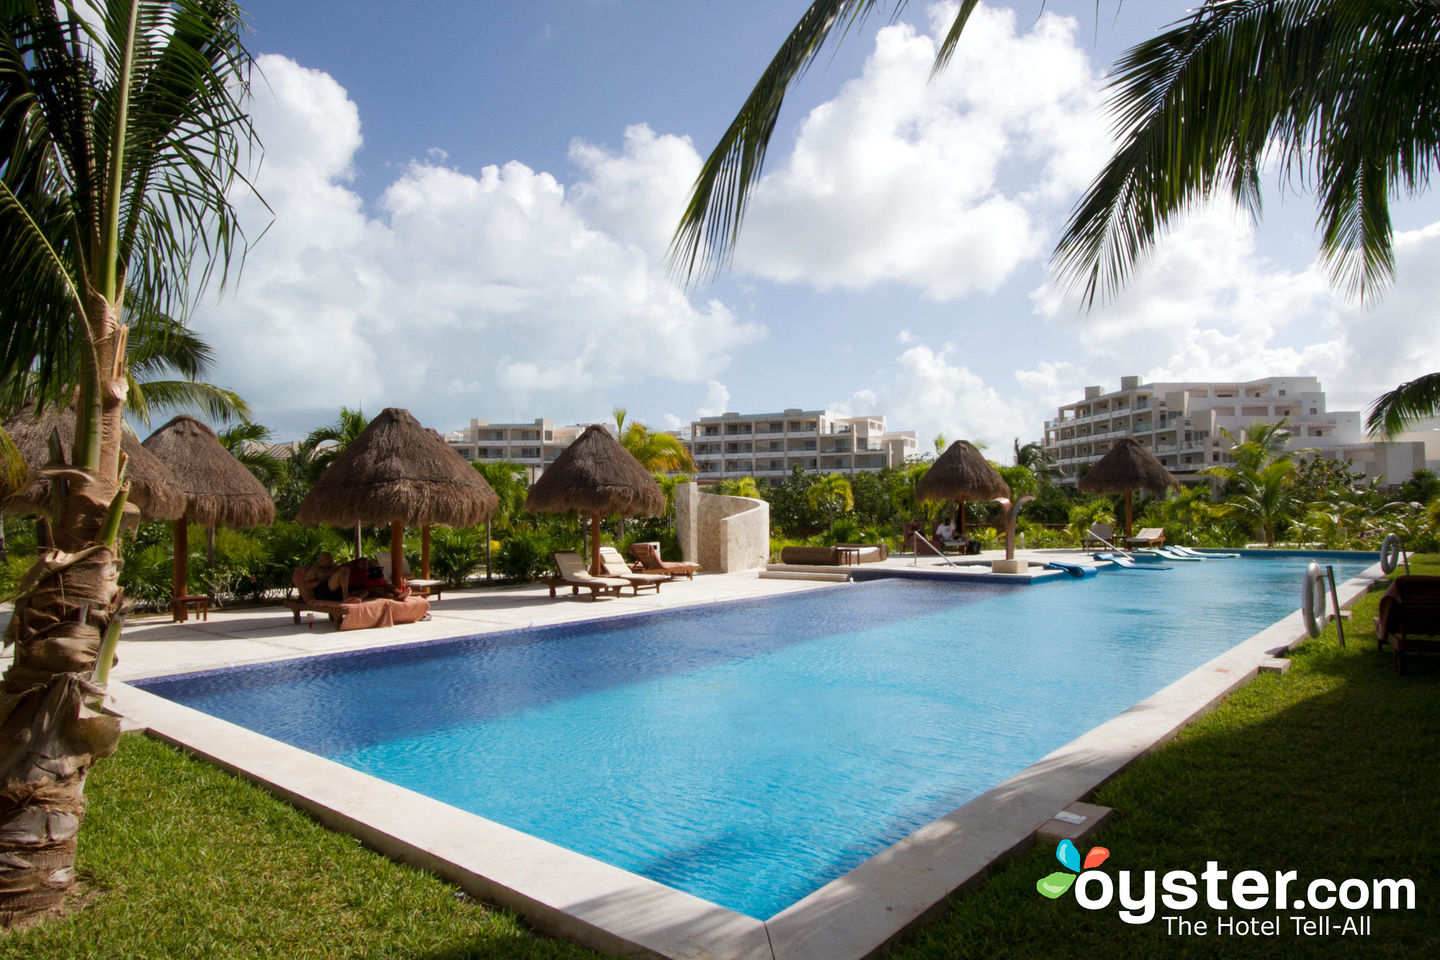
(1312, 600)
(1390, 552)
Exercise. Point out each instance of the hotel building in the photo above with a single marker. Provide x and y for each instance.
(769, 446)
(1182, 423)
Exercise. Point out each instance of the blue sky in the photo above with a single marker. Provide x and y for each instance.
(471, 205)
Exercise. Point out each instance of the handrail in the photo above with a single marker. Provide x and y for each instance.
(933, 549)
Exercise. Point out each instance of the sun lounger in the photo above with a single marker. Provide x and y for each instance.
(356, 614)
(1409, 620)
(1120, 560)
(613, 565)
(648, 553)
(571, 572)
(1204, 555)
(1099, 535)
(1149, 537)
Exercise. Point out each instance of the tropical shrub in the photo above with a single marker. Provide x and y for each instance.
(525, 556)
(455, 553)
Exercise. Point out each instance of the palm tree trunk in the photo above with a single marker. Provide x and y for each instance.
(49, 725)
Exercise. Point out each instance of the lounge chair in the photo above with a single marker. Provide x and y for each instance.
(426, 587)
(811, 556)
(355, 614)
(1409, 620)
(613, 565)
(1148, 537)
(867, 552)
(1100, 535)
(648, 553)
(571, 571)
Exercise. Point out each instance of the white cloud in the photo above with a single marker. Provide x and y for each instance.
(638, 194)
(461, 294)
(717, 400)
(898, 179)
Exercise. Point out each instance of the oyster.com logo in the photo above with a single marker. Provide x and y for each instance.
(1058, 883)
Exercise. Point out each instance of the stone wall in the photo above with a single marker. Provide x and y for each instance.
(722, 534)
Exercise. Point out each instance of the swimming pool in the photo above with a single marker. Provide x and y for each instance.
(749, 753)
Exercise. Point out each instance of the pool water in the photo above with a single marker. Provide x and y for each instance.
(749, 753)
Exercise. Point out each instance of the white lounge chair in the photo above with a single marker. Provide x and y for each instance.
(571, 571)
(613, 565)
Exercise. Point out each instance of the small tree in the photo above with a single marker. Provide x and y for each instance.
(832, 495)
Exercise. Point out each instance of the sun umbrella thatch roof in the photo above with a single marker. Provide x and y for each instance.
(218, 489)
(154, 490)
(961, 473)
(596, 475)
(1126, 468)
(397, 471)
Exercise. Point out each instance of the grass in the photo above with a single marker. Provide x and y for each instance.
(1331, 770)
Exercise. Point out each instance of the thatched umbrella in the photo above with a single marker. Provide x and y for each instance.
(154, 491)
(218, 489)
(1127, 467)
(596, 475)
(400, 473)
(962, 473)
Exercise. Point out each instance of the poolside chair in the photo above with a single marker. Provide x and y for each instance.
(1148, 537)
(648, 553)
(613, 565)
(1100, 535)
(1409, 620)
(572, 572)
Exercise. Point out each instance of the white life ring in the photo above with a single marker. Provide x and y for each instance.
(1312, 600)
(1390, 552)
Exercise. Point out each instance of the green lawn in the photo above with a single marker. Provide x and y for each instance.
(1331, 770)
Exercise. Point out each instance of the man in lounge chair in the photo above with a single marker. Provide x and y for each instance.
(325, 580)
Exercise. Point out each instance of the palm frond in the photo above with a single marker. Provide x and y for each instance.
(705, 239)
(1414, 400)
(1341, 90)
(215, 403)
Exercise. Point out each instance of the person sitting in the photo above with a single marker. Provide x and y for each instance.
(945, 532)
(371, 577)
(326, 580)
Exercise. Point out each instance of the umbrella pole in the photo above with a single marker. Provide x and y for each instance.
(1127, 514)
(397, 554)
(425, 552)
(595, 544)
(357, 539)
(177, 587)
(960, 514)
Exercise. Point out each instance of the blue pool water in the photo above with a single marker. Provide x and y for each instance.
(749, 753)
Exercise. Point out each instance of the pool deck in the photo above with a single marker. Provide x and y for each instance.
(576, 897)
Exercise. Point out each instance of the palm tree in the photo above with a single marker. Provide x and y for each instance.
(120, 134)
(831, 494)
(739, 487)
(323, 444)
(248, 442)
(507, 479)
(657, 452)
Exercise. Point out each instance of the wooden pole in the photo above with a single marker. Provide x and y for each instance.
(1128, 514)
(397, 554)
(425, 552)
(178, 585)
(595, 544)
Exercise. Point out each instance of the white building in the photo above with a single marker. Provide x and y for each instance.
(534, 445)
(769, 446)
(1182, 423)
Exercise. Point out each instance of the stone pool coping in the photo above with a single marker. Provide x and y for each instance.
(581, 899)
